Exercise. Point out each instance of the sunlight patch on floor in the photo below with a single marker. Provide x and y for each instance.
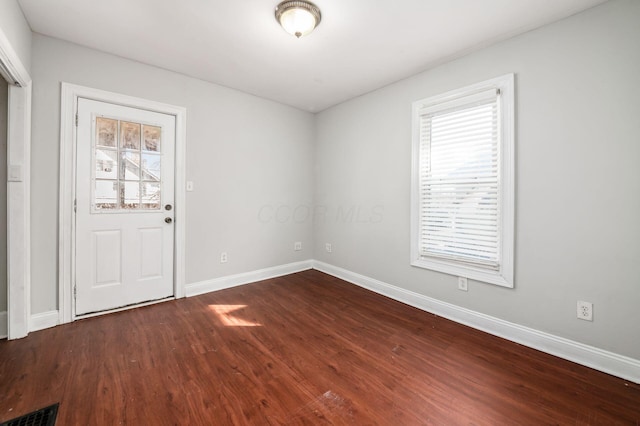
(225, 313)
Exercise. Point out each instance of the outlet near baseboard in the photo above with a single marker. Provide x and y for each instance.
(463, 284)
(585, 310)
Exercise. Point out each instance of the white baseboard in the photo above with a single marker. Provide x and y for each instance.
(608, 362)
(246, 278)
(4, 330)
(43, 320)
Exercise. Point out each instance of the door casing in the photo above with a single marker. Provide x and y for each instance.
(68, 137)
(18, 317)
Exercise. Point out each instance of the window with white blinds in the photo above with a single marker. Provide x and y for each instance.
(462, 221)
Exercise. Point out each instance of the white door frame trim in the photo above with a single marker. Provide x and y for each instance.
(18, 191)
(66, 256)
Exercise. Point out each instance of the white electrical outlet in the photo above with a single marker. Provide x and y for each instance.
(462, 284)
(223, 257)
(190, 185)
(585, 310)
(328, 247)
(297, 246)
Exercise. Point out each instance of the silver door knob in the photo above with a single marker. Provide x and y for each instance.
(168, 219)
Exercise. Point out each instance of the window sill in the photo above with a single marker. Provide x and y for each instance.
(498, 277)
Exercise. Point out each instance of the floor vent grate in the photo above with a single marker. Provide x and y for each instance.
(42, 417)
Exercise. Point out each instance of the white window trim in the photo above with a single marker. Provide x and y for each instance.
(504, 276)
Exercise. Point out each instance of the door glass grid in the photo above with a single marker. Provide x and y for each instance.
(127, 165)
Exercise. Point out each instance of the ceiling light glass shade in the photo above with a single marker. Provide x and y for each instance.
(298, 18)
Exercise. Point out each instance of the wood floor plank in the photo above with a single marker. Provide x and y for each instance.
(305, 349)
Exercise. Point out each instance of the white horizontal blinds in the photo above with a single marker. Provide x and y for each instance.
(459, 180)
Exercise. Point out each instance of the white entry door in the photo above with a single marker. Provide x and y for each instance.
(124, 206)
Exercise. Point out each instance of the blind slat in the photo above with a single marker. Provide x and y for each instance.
(471, 239)
(434, 228)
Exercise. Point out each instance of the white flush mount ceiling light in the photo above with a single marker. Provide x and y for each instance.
(298, 18)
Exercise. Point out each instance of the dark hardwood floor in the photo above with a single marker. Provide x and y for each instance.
(302, 349)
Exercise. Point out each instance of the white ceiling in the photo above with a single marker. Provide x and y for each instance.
(359, 46)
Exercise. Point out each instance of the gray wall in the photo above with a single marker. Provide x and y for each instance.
(3, 195)
(16, 29)
(578, 179)
(243, 153)
(255, 163)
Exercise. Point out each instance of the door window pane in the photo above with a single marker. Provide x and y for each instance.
(130, 166)
(106, 194)
(107, 132)
(106, 164)
(152, 138)
(150, 196)
(129, 135)
(129, 195)
(151, 167)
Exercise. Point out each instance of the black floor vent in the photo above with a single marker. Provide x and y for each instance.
(42, 417)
